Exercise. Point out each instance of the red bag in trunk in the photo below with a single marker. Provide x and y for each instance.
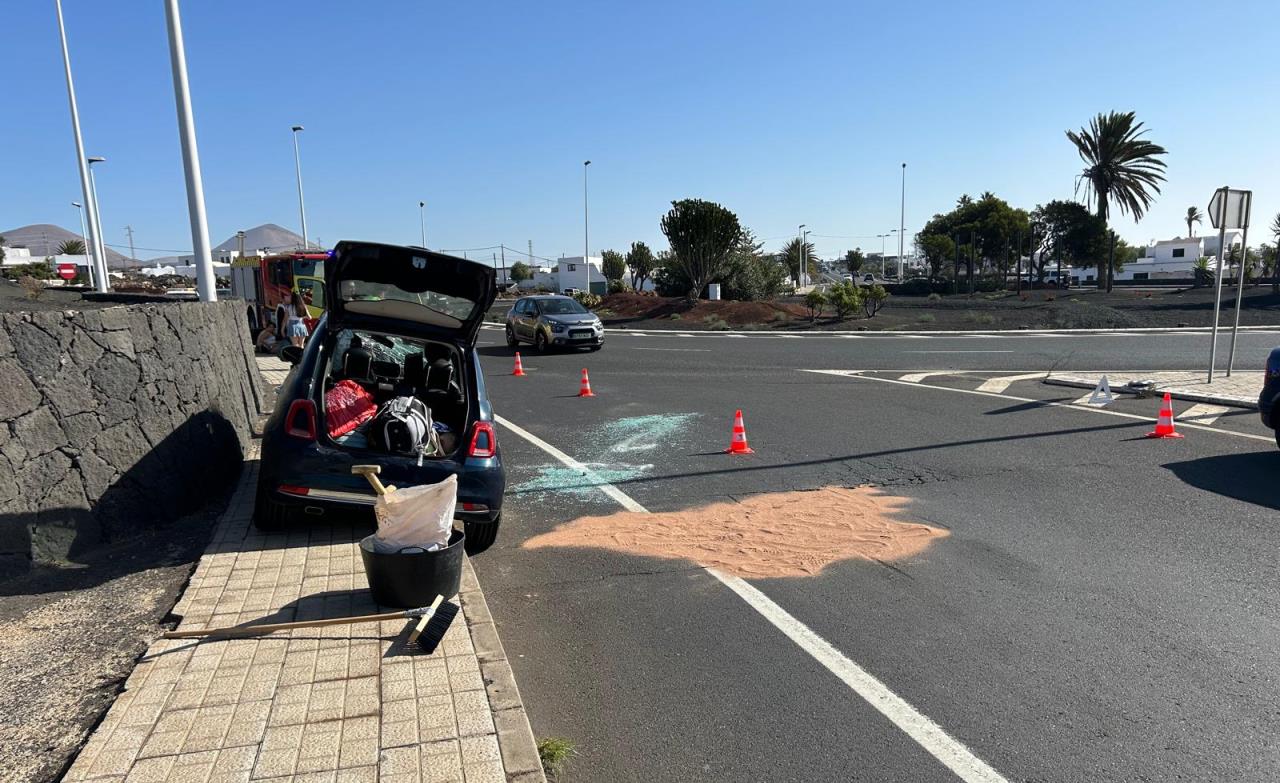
(347, 405)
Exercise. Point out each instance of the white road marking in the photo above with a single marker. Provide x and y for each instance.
(916, 377)
(1046, 403)
(1005, 381)
(1009, 351)
(683, 334)
(684, 350)
(637, 334)
(1203, 413)
(929, 735)
(1085, 401)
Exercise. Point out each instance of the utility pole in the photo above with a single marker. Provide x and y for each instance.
(503, 248)
(94, 238)
(586, 243)
(902, 221)
(133, 255)
(297, 167)
(205, 282)
(1018, 271)
(422, 221)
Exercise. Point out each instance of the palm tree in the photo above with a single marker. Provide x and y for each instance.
(1194, 215)
(1120, 166)
(71, 247)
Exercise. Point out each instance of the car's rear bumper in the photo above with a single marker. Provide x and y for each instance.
(319, 502)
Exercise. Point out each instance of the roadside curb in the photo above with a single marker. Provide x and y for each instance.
(1176, 393)
(515, 735)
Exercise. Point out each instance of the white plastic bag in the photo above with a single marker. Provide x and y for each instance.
(416, 517)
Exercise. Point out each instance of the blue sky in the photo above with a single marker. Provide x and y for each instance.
(787, 113)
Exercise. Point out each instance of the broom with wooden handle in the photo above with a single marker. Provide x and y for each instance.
(433, 621)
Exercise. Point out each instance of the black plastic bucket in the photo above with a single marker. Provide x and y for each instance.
(413, 577)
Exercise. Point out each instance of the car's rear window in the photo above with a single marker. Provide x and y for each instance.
(456, 308)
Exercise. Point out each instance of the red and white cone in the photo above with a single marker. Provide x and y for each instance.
(739, 443)
(519, 370)
(1164, 424)
(584, 390)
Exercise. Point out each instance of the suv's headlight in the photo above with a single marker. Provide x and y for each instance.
(556, 326)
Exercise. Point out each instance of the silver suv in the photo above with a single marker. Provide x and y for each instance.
(553, 321)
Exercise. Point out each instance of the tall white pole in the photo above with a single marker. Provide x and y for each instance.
(97, 214)
(422, 220)
(804, 256)
(84, 237)
(800, 253)
(94, 230)
(205, 283)
(902, 221)
(302, 207)
(586, 239)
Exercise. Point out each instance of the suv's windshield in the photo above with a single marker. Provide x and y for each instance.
(560, 307)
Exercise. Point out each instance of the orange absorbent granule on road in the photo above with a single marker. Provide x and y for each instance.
(768, 535)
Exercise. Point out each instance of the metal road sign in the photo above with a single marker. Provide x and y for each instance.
(1230, 208)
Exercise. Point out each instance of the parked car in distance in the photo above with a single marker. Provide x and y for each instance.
(1271, 394)
(847, 278)
(550, 321)
(571, 291)
(401, 322)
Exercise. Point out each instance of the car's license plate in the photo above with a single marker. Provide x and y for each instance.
(579, 333)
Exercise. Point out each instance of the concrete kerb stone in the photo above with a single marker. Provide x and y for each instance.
(1188, 395)
(515, 735)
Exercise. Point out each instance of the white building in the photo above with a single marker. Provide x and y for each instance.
(1175, 259)
(571, 272)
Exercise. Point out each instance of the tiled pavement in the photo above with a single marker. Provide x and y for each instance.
(1240, 390)
(338, 704)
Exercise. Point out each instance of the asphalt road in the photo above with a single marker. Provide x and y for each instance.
(1105, 607)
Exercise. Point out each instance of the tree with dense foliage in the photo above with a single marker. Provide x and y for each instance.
(815, 302)
(1267, 254)
(986, 226)
(702, 234)
(1121, 167)
(854, 259)
(1202, 271)
(845, 298)
(937, 249)
(1068, 232)
(70, 247)
(873, 299)
(640, 262)
(790, 258)
(612, 265)
(520, 272)
(1194, 215)
(753, 275)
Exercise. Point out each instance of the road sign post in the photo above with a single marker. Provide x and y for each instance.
(67, 272)
(1228, 209)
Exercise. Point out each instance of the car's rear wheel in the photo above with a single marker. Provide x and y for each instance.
(540, 341)
(512, 342)
(481, 535)
(268, 515)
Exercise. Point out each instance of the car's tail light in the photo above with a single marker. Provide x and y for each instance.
(300, 421)
(483, 442)
(293, 489)
(475, 507)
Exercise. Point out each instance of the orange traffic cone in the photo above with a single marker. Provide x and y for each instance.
(739, 443)
(1164, 425)
(585, 389)
(519, 370)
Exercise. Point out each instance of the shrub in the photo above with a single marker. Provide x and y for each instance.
(618, 287)
(982, 318)
(873, 299)
(1049, 297)
(715, 323)
(587, 299)
(675, 316)
(845, 298)
(33, 287)
(926, 318)
(555, 753)
(38, 270)
(935, 297)
(781, 315)
(815, 301)
(917, 286)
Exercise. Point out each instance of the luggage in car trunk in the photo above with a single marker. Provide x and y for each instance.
(403, 426)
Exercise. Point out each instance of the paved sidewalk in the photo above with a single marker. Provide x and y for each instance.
(1240, 390)
(343, 703)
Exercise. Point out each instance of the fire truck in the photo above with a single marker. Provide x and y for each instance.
(266, 284)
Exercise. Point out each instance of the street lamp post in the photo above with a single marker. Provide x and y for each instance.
(422, 221)
(804, 255)
(586, 237)
(902, 221)
(297, 168)
(96, 209)
(206, 285)
(94, 231)
(84, 236)
(893, 231)
(882, 238)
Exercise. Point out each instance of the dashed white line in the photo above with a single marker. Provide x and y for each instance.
(1003, 382)
(929, 735)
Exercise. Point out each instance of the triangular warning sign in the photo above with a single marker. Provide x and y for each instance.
(1101, 393)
